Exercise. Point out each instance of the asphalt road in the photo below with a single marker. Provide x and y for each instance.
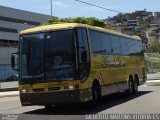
(146, 101)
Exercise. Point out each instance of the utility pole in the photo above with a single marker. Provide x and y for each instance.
(51, 9)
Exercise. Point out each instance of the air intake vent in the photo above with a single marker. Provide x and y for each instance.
(38, 90)
(53, 88)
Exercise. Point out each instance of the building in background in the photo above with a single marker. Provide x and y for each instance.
(141, 22)
(12, 21)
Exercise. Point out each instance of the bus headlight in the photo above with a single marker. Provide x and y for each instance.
(26, 90)
(71, 87)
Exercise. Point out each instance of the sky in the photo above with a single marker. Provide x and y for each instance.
(72, 8)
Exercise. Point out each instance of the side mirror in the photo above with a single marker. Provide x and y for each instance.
(13, 61)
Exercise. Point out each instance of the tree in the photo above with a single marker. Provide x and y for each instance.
(154, 48)
(90, 21)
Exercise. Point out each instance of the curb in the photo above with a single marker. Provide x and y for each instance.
(9, 89)
(9, 94)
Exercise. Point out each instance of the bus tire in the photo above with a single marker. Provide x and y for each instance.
(135, 89)
(130, 89)
(96, 93)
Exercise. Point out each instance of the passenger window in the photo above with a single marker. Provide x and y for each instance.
(96, 42)
(116, 44)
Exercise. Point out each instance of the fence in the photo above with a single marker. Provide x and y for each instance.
(6, 72)
(152, 62)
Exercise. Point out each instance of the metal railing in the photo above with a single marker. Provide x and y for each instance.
(152, 62)
(6, 72)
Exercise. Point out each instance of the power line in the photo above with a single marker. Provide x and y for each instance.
(98, 6)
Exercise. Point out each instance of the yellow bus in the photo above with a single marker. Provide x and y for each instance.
(73, 63)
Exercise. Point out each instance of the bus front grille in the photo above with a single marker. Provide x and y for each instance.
(46, 89)
(54, 88)
(39, 90)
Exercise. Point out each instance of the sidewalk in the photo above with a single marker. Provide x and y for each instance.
(153, 76)
(9, 89)
(8, 86)
(153, 79)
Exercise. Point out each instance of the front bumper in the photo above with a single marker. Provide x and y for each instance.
(50, 98)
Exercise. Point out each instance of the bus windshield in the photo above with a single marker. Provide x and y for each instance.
(47, 56)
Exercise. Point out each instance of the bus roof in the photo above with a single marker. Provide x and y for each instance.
(74, 25)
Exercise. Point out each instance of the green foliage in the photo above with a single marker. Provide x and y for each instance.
(154, 48)
(80, 20)
(90, 21)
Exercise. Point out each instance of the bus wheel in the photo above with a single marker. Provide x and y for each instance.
(96, 94)
(135, 89)
(48, 107)
(130, 89)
